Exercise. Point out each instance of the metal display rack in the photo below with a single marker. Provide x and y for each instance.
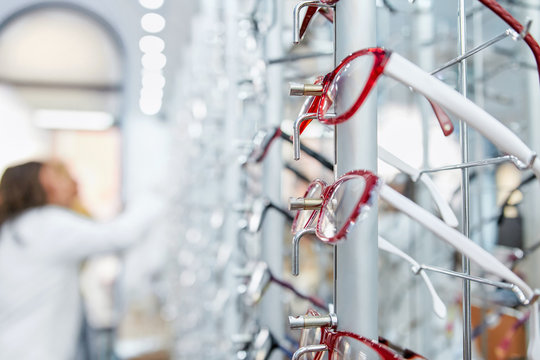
(239, 52)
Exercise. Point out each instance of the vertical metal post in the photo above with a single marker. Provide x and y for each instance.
(482, 201)
(356, 148)
(464, 140)
(423, 33)
(232, 174)
(272, 246)
(532, 209)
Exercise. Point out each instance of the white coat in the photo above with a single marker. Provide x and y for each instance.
(40, 255)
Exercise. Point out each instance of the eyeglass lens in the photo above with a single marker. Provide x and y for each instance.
(347, 85)
(341, 205)
(305, 217)
(348, 348)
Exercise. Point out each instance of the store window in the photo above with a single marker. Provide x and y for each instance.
(61, 96)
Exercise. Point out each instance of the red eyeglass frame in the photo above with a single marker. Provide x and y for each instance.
(330, 338)
(490, 4)
(327, 190)
(320, 104)
(381, 57)
(517, 26)
(312, 10)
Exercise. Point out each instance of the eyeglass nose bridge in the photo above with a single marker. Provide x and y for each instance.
(296, 16)
(308, 349)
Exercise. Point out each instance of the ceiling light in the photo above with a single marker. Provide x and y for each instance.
(151, 4)
(152, 22)
(153, 61)
(151, 44)
(72, 119)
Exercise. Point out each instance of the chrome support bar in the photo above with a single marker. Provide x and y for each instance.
(305, 203)
(296, 16)
(308, 349)
(308, 321)
(296, 249)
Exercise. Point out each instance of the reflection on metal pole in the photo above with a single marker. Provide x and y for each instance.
(464, 140)
(356, 145)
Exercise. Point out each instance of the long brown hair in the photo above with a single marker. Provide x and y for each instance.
(20, 189)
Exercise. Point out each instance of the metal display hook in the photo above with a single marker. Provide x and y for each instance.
(491, 161)
(296, 57)
(296, 131)
(515, 289)
(304, 321)
(507, 33)
(296, 16)
(312, 321)
(296, 249)
(308, 349)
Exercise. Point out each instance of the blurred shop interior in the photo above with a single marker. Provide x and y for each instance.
(195, 99)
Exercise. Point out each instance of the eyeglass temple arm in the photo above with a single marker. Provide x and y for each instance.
(438, 306)
(444, 208)
(503, 138)
(459, 241)
(300, 175)
(308, 349)
(260, 217)
(314, 154)
(282, 211)
(313, 300)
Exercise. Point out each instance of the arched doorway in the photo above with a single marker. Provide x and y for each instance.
(61, 96)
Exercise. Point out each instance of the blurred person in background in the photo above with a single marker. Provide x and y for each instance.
(43, 242)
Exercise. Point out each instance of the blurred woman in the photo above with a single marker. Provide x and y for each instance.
(42, 243)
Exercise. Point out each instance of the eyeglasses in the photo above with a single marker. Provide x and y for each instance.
(260, 279)
(263, 345)
(334, 212)
(357, 74)
(343, 345)
(259, 208)
(333, 209)
(303, 219)
(517, 26)
(442, 205)
(324, 7)
(264, 138)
